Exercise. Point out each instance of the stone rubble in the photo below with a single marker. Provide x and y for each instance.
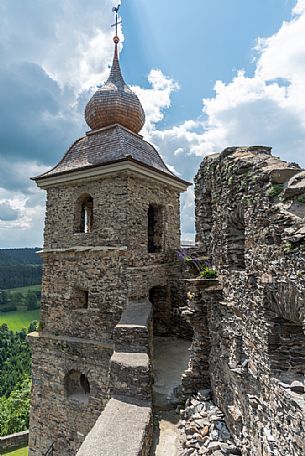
(203, 428)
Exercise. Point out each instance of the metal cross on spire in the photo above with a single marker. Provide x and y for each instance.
(115, 10)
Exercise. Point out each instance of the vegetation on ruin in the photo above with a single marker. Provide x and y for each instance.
(208, 273)
(15, 379)
(197, 266)
(288, 247)
(301, 199)
(275, 190)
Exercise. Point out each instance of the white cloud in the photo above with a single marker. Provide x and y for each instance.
(267, 108)
(7, 211)
(157, 99)
(72, 46)
(299, 7)
(71, 41)
(22, 205)
(52, 53)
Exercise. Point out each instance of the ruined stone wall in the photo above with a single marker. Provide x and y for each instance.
(250, 209)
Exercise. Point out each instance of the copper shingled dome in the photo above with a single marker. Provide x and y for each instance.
(115, 103)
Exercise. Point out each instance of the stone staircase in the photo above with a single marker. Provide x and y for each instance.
(130, 366)
(125, 426)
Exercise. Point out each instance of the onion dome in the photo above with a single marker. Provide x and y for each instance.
(115, 102)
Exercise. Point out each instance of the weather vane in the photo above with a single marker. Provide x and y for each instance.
(115, 10)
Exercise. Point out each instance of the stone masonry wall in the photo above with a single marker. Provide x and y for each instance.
(250, 209)
(14, 441)
(56, 417)
(88, 281)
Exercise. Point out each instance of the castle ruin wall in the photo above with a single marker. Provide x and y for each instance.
(250, 209)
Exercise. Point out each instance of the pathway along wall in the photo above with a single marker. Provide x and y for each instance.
(250, 209)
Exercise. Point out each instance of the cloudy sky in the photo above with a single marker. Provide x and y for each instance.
(210, 74)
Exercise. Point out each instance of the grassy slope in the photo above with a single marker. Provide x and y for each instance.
(21, 452)
(22, 317)
(19, 319)
(24, 290)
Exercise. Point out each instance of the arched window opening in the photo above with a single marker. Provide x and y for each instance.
(155, 228)
(236, 240)
(84, 214)
(77, 387)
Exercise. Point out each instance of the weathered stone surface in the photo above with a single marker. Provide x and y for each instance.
(89, 280)
(204, 429)
(296, 186)
(282, 175)
(254, 325)
(113, 265)
(122, 429)
(13, 442)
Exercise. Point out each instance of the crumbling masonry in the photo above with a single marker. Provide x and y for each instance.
(250, 209)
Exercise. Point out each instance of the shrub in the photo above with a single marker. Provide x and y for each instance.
(275, 190)
(197, 266)
(288, 247)
(301, 199)
(208, 273)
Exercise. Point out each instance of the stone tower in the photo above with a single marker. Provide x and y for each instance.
(112, 219)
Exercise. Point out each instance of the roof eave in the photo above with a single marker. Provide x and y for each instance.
(127, 163)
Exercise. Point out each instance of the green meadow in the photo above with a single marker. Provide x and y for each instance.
(21, 452)
(19, 319)
(24, 290)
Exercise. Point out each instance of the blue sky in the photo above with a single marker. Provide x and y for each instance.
(209, 73)
(195, 42)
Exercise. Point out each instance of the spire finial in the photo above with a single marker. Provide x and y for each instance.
(115, 10)
(114, 102)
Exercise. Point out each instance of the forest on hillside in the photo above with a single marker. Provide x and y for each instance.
(19, 268)
(15, 379)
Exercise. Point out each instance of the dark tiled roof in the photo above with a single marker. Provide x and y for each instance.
(106, 146)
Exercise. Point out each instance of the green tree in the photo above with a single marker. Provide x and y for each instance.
(16, 298)
(15, 379)
(4, 299)
(14, 410)
(31, 300)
